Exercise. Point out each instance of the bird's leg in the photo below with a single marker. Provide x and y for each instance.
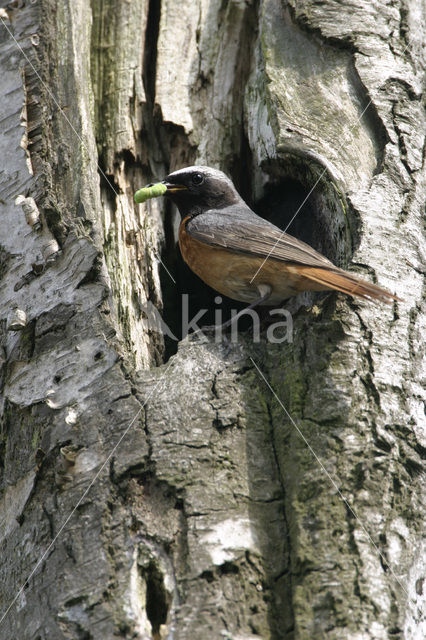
(265, 291)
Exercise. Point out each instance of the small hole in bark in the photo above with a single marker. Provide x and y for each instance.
(156, 598)
(208, 575)
(228, 567)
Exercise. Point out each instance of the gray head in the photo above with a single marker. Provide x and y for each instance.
(198, 188)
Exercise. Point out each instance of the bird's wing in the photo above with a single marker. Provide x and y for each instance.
(239, 229)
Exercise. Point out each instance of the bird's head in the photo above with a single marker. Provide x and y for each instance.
(198, 188)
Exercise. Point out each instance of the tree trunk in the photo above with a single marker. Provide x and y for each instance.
(242, 489)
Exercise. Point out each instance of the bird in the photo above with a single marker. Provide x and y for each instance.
(241, 255)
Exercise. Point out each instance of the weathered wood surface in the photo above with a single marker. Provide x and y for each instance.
(211, 518)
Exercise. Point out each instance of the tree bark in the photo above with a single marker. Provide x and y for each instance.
(240, 490)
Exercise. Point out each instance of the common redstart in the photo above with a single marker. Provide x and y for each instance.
(240, 254)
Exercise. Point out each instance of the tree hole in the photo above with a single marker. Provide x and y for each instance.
(156, 599)
(302, 198)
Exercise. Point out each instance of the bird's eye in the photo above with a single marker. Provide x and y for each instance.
(197, 178)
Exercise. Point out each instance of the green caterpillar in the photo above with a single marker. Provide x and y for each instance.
(151, 191)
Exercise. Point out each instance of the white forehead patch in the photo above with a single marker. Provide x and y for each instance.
(207, 171)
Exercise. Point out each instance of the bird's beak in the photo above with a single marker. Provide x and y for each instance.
(174, 188)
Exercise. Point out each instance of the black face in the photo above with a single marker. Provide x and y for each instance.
(197, 189)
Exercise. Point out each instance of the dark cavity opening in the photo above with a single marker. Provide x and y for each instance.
(288, 204)
(302, 198)
(150, 52)
(156, 599)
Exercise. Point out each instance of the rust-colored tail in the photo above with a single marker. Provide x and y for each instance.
(347, 283)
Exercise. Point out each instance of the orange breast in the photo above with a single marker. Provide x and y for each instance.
(230, 273)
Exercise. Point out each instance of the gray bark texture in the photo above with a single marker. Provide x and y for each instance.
(229, 490)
